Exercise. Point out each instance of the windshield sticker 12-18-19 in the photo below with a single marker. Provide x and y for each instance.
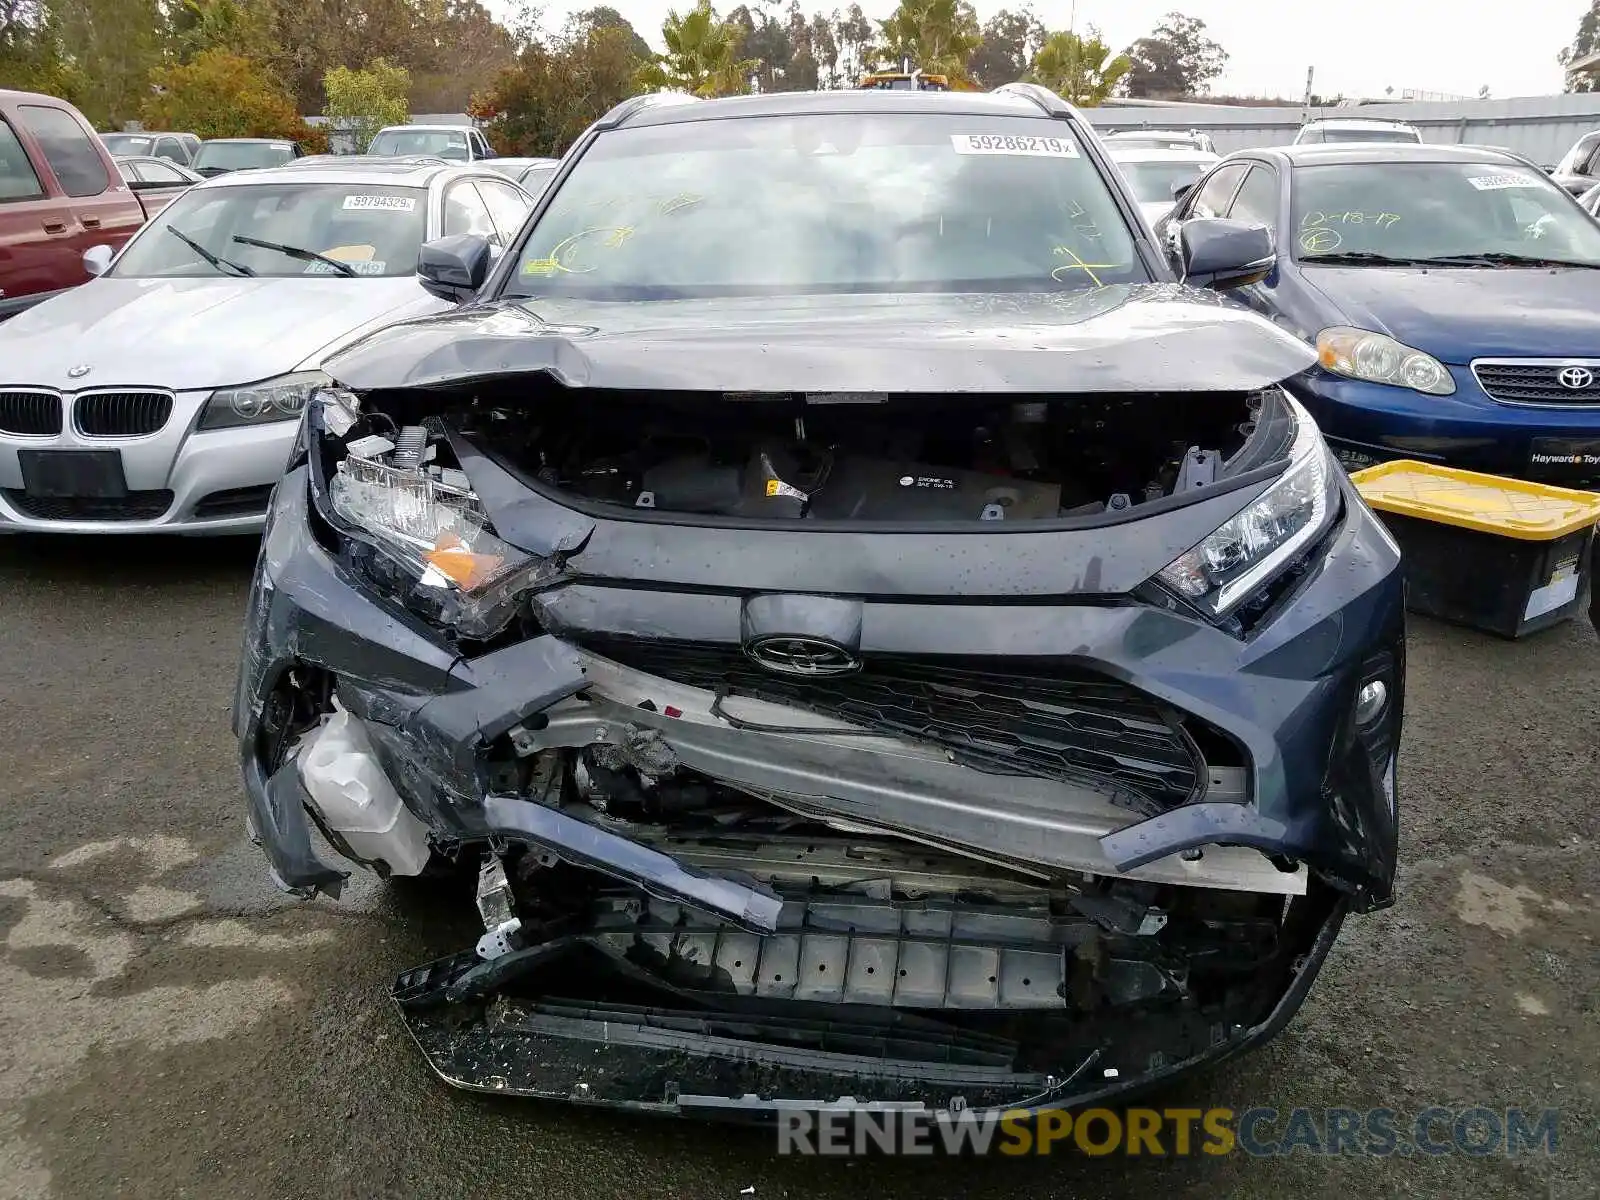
(369, 203)
(1005, 143)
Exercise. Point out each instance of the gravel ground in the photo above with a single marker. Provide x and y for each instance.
(175, 1028)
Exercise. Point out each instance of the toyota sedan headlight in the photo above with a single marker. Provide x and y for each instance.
(1378, 358)
(1235, 561)
(280, 399)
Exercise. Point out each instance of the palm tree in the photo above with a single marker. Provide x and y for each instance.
(702, 56)
(1079, 69)
(938, 36)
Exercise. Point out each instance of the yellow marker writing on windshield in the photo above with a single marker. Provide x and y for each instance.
(1077, 264)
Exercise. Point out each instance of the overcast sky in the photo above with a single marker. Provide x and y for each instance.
(1358, 47)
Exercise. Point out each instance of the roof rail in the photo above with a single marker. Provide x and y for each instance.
(634, 105)
(1052, 104)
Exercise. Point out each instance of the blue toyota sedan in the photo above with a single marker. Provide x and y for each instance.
(1452, 293)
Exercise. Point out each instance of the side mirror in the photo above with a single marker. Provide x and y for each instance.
(1180, 190)
(454, 268)
(96, 259)
(1217, 253)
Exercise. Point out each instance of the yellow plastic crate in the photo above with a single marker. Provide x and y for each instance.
(1503, 555)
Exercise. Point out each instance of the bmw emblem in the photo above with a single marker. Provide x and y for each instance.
(78, 372)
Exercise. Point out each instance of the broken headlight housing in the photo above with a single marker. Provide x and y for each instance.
(1240, 557)
(432, 545)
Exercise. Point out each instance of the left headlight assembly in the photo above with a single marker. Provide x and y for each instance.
(1240, 557)
(281, 399)
(436, 552)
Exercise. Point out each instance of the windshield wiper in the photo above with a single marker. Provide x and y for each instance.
(1365, 258)
(296, 252)
(1500, 258)
(215, 260)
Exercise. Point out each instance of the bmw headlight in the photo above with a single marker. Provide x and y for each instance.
(1232, 563)
(280, 399)
(1377, 358)
(435, 549)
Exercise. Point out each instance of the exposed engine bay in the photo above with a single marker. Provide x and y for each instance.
(870, 458)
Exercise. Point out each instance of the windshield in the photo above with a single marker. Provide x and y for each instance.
(436, 143)
(1152, 182)
(1330, 136)
(242, 156)
(534, 179)
(377, 230)
(1154, 143)
(1437, 210)
(127, 143)
(826, 204)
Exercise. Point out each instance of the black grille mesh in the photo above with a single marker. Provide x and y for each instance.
(1043, 720)
(31, 414)
(1534, 383)
(121, 414)
(135, 506)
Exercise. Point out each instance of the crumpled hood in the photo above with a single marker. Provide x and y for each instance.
(1145, 337)
(196, 333)
(1460, 314)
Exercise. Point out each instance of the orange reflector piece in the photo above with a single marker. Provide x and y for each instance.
(453, 560)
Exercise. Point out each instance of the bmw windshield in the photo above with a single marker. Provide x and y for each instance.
(1450, 213)
(829, 204)
(371, 230)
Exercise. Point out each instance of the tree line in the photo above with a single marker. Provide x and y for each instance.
(255, 67)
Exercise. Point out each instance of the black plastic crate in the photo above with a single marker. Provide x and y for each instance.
(1505, 556)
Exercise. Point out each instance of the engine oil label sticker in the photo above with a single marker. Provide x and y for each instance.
(369, 203)
(937, 482)
(1496, 183)
(1005, 143)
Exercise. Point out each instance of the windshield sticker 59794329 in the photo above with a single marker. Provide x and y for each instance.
(1005, 143)
(368, 203)
(1495, 183)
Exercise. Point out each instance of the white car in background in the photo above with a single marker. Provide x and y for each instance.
(1332, 130)
(1154, 175)
(164, 396)
(1160, 139)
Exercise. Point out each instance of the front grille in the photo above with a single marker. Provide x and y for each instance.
(235, 502)
(1044, 720)
(31, 414)
(1538, 382)
(121, 414)
(135, 506)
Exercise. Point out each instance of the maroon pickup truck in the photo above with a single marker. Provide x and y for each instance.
(60, 193)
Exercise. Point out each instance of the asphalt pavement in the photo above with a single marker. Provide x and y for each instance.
(172, 1027)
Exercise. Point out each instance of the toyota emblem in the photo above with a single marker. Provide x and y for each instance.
(808, 657)
(78, 372)
(1575, 377)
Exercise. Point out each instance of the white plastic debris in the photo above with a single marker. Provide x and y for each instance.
(356, 800)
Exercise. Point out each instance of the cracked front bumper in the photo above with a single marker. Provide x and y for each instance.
(1308, 822)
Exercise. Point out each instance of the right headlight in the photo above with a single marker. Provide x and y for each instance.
(1378, 358)
(1232, 563)
(280, 399)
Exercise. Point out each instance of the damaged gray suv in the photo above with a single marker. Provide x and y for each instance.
(871, 624)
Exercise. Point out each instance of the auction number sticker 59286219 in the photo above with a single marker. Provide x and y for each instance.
(1005, 143)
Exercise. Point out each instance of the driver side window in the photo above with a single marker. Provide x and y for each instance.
(1214, 195)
